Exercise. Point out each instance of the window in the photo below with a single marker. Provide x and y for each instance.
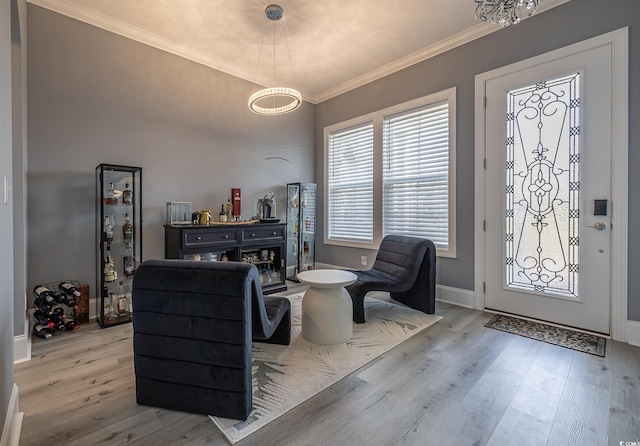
(350, 184)
(411, 150)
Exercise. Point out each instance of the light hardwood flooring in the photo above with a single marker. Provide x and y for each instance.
(455, 383)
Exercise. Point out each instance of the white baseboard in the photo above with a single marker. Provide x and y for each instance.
(93, 305)
(455, 296)
(22, 343)
(633, 333)
(13, 422)
(21, 349)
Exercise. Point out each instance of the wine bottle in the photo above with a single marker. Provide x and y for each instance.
(42, 332)
(108, 229)
(122, 299)
(68, 299)
(129, 263)
(127, 195)
(110, 274)
(60, 296)
(127, 229)
(305, 247)
(223, 215)
(43, 305)
(228, 209)
(71, 325)
(44, 293)
(110, 313)
(39, 317)
(69, 289)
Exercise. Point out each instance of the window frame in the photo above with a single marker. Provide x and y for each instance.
(377, 118)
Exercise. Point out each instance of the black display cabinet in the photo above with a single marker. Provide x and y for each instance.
(301, 228)
(118, 240)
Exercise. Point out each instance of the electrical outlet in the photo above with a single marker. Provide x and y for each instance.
(363, 260)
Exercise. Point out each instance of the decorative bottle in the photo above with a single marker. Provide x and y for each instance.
(223, 215)
(108, 229)
(127, 195)
(110, 197)
(110, 274)
(127, 229)
(123, 305)
(129, 263)
(228, 209)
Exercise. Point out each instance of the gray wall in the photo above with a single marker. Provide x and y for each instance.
(6, 215)
(561, 26)
(19, 128)
(95, 97)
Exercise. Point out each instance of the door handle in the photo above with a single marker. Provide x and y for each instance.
(598, 226)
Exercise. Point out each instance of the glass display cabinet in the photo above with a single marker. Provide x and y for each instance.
(301, 228)
(118, 240)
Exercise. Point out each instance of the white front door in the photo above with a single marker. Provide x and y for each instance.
(548, 190)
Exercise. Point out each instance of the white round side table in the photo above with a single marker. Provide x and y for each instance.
(327, 309)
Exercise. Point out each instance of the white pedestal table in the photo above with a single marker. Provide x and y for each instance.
(327, 309)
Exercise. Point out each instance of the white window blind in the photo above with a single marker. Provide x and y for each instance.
(350, 184)
(416, 174)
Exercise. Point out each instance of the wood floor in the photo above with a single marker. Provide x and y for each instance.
(456, 383)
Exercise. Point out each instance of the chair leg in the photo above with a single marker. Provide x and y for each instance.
(358, 308)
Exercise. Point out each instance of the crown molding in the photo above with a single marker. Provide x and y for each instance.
(477, 31)
(94, 18)
(86, 15)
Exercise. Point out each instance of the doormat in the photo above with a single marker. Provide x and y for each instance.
(285, 376)
(564, 337)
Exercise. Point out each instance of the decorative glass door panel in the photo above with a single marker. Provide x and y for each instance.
(542, 189)
(547, 252)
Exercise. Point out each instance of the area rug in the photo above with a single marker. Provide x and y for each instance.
(563, 337)
(285, 376)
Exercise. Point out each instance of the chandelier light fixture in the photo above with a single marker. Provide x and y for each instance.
(505, 12)
(274, 100)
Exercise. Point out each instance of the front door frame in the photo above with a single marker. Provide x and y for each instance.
(619, 41)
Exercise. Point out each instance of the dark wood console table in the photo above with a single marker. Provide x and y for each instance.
(262, 244)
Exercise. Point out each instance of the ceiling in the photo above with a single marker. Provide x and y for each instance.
(334, 45)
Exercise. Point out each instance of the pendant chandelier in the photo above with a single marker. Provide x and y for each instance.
(269, 101)
(505, 12)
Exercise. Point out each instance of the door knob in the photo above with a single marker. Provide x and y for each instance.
(598, 226)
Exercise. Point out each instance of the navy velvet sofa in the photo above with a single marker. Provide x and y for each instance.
(406, 268)
(193, 325)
